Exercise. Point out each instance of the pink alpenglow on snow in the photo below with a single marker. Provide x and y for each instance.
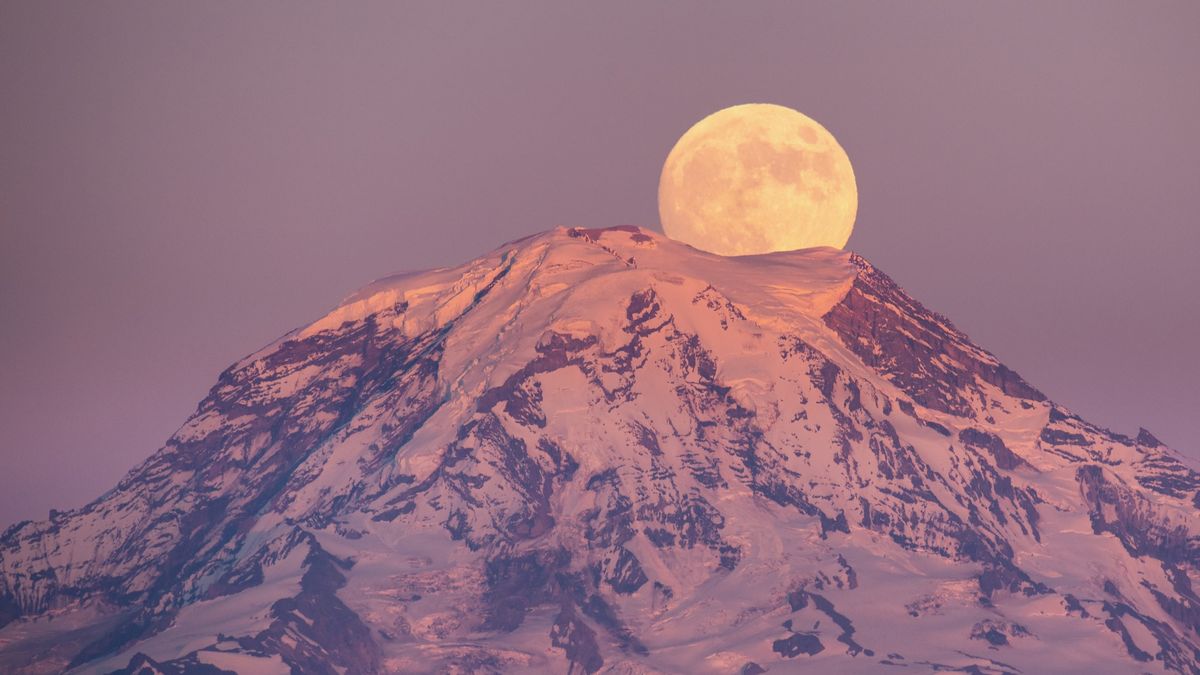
(605, 451)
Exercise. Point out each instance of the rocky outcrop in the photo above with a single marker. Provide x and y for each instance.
(920, 351)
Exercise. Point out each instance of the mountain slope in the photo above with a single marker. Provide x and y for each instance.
(601, 450)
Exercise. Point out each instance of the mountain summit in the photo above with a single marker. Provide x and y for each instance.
(604, 451)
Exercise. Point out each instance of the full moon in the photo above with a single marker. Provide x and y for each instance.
(757, 178)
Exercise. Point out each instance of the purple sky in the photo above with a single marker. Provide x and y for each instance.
(182, 183)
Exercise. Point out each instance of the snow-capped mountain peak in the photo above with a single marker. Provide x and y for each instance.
(602, 450)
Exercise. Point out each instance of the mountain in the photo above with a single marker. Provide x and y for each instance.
(604, 451)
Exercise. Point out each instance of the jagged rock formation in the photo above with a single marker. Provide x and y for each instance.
(603, 451)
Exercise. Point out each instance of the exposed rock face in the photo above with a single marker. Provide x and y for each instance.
(599, 450)
(919, 351)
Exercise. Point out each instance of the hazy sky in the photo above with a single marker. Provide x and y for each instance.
(182, 183)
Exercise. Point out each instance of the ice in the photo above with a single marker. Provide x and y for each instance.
(245, 664)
